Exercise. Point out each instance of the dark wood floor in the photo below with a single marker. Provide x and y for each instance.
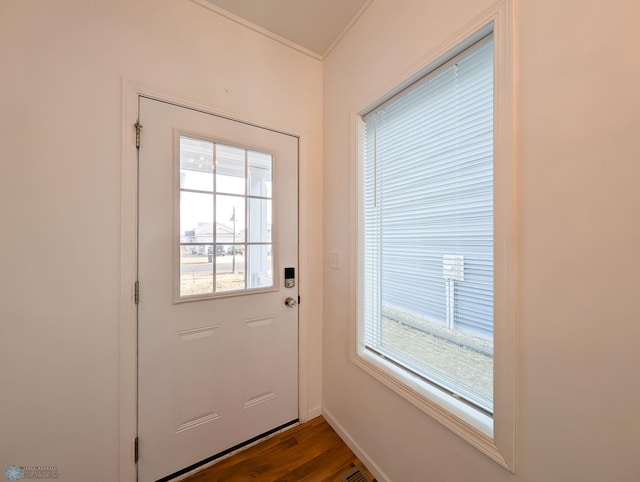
(309, 452)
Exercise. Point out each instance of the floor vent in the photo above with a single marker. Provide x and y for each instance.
(355, 475)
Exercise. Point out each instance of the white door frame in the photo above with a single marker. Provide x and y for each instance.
(128, 266)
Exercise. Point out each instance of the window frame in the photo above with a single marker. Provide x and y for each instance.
(493, 436)
(177, 244)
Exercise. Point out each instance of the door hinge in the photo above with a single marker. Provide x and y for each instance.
(135, 450)
(138, 127)
(298, 299)
(136, 293)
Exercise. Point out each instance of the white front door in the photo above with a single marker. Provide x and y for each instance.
(218, 230)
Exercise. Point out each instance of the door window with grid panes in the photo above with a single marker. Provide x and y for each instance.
(225, 218)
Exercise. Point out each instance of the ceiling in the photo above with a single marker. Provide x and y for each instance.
(315, 25)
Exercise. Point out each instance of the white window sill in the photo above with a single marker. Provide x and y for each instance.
(470, 424)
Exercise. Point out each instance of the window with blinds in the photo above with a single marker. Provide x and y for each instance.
(427, 232)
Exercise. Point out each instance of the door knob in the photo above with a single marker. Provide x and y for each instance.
(290, 302)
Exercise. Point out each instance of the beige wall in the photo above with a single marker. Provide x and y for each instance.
(578, 317)
(62, 63)
(578, 330)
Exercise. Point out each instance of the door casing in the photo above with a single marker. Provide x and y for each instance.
(128, 382)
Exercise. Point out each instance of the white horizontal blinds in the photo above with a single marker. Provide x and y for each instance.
(428, 223)
(372, 236)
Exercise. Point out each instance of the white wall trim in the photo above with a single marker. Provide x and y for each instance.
(128, 276)
(256, 28)
(128, 261)
(313, 413)
(498, 441)
(348, 27)
(368, 462)
(280, 39)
